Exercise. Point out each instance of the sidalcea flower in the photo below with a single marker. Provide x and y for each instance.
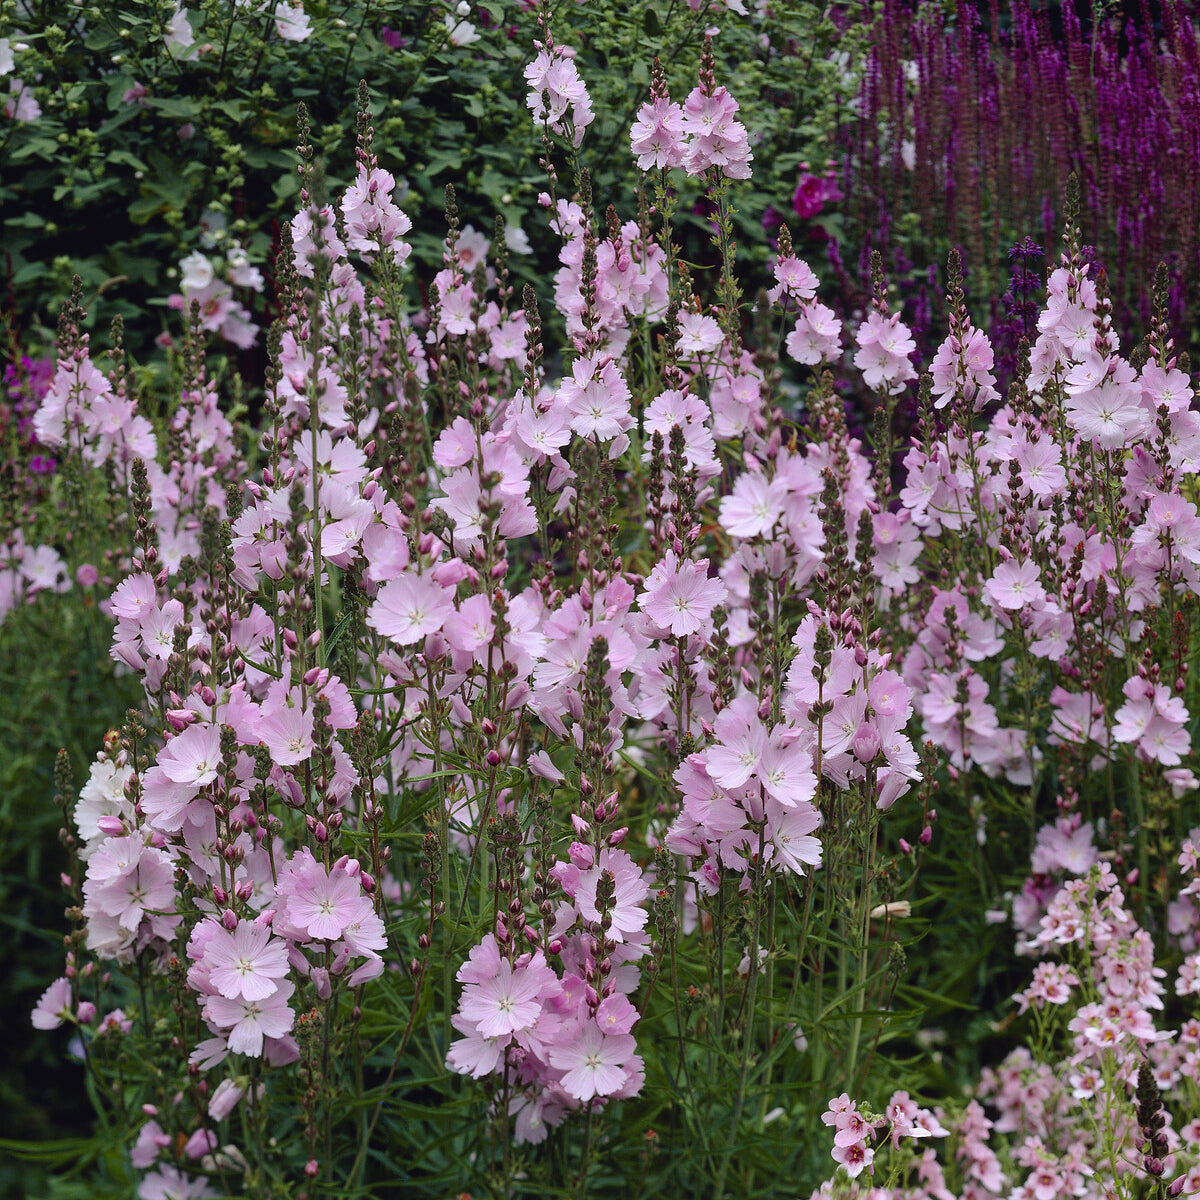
(247, 963)
(595, 1065)
(410, 607)
(506, 1003)
(680, 596)
(193, 756)
(54, 1007)
(246, 1023)
(657, 137)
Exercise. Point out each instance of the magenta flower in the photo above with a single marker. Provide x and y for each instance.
(809, 197)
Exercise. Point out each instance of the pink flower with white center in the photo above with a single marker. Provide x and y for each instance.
(474, 1054)
(505, 1004)
(134, 596)
(128, 880)
(680, 596)
(790, 833)
(157, 628)
(742, 740)
(371, 219)
(793, 278)
(54, 1007)
(656, 137)
(409, 608)
(193, 756)
(1109, 415)
(246, 963)
(1013, 585)
(554, 78)
(817, 336)
(597, 398)
(594, 1064)
(1042, 472)
(754, 506)
(786, 773)
(471, 626)
(884, 346)
(616, 1015)
(697, 335)
(246, 1023)
(286, 728)
(323, 905)
(629, 890)
(717, 138)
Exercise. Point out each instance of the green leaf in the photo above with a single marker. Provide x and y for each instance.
(142, 210)
(174, 106)
(439, 160)
(100, 38)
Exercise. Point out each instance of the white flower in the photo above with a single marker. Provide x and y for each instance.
(6, 57)
(178, 35)
(462, 33)
(197, 272)
(292, 23)
(517, 240)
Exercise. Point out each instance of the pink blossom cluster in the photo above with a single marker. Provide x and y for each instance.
(211, 285)
(700, 135)
(555, 86)
(27, 571)
(854, 1133)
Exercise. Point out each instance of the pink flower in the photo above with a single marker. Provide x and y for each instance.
(698, 334)
(507, 1003)
(54, 1007)
(284, 727)
(742, 740)
(629, 890)
(246, 1022)
(717, 139)
(657, 136)
(679, 596)
(324, 905)
(245, 963)
(595, 1065)
(1013, 585)
(409, 608)
(193, 756)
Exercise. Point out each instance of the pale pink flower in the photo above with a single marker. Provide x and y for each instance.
(657, 136)
(54, 1007)
(410, 607)
(594, 1064)
(247, 962)
(504, 1004)
(246, 1023)
(193, 756)
(680, 596)
(1013, 585)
